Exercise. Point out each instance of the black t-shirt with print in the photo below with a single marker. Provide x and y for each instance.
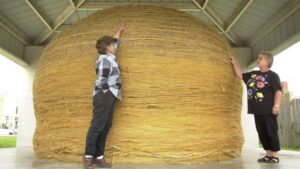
(261, 88)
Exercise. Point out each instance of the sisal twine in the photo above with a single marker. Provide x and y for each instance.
(181, 101)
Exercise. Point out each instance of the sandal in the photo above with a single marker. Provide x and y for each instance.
(264, 159)
(273, 160)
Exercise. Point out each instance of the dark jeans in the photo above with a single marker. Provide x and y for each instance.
(100, 124)
(267, 128)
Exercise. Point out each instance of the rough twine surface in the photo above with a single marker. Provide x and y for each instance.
(181, 102)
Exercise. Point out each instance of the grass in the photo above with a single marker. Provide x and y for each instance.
(7, 141)
(294, 148)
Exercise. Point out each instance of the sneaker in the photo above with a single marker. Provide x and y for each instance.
(87, 162)
(101, 163)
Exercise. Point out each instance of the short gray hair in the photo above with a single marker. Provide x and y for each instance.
(269, 56)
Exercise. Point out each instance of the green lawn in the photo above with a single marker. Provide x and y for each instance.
(7, 141)
(296, 148)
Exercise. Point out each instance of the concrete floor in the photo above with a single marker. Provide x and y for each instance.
(23, 158)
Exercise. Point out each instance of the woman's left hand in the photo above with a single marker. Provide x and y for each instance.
(275, 110)
(122, 26)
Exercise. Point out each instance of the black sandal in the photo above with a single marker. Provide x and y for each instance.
(264, 159)
(273, 160)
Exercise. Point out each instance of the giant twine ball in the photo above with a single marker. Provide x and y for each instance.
(181, 101)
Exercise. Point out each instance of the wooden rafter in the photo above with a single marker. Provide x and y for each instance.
(32, 4)
(237, 14)
(6, 24)
(103, 5)
(218, 22)
(69, 10)
(290, 8)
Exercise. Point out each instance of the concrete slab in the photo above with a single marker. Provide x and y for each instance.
(23, 158)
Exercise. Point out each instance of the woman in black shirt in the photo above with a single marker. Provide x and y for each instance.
(264, 96)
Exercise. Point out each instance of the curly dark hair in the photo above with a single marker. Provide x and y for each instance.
(103, 42)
